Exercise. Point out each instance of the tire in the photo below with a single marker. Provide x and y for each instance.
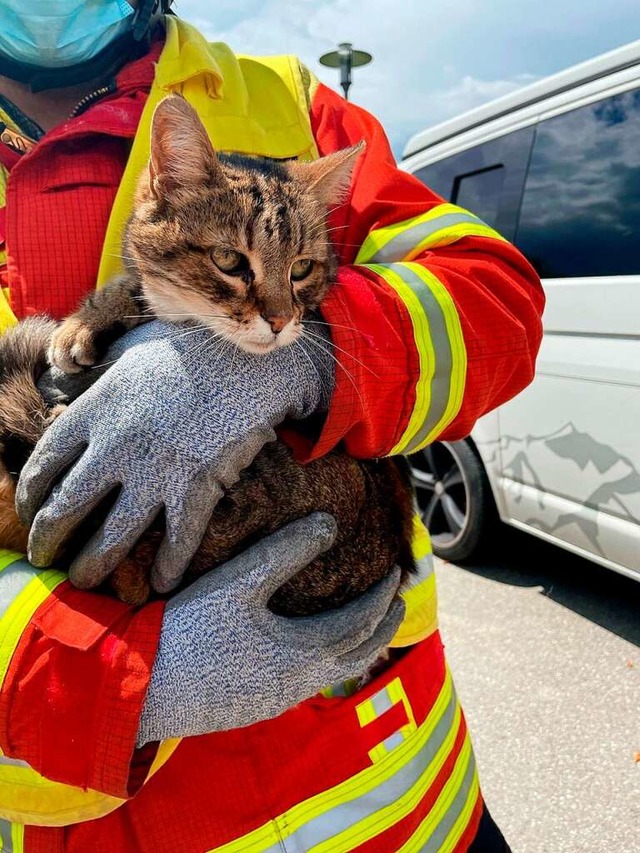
(454, 498)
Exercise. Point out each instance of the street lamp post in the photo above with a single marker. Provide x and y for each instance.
(345, 58)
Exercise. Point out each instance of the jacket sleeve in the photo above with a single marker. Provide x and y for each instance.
(74, 668)
(435, 318)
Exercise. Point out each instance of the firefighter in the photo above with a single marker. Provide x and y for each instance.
(204, 723)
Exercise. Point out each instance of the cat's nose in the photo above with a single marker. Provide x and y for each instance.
(277, 322)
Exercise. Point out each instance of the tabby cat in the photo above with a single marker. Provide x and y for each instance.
(241, 246)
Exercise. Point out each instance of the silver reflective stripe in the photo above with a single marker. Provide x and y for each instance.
(348, 814)
(13, 580)
(441, 381)
(451, 815)
(13, 762)
(5, 835)
(392, 741)
(424, 570)
(399, 248)
(381, 702)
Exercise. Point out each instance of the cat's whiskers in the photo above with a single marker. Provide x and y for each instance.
(304, 352)
(233, 360)
(335, 228)
(178, 335)
(340, 349)
(206, 346)
(121, 257)
(190, 314)
(214, 347)
(341, 366)
(333, 325)
(191, 357)
(102, 365)
(217, 337)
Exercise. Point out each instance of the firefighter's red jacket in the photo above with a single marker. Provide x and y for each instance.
(435, 320)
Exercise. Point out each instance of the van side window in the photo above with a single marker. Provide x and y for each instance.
(486, 179)
(581, 208)
(480, 192)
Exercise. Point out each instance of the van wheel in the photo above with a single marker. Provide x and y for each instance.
(454, 497)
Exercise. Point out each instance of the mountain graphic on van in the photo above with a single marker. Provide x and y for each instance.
(619, 477)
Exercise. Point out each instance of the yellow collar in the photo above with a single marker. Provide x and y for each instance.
(187, 54)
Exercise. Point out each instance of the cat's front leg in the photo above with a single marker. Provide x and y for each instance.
(83, 339)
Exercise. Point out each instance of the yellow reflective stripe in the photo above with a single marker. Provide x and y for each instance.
(359, 786)
(27, 797)
(420, 596)
(421, 542)
(346, 688)
(422, 336)
(20, 611)
(11, 837)
(380, 237)
(398, 695)
(257, 841)
(7, 317)
(458, 355)
(366, 713)
(420, 840)
(377, 705)
(441, 226)
(465, 816)
(17, 837)
(421, 618)
(441, 351)
(8, 557)
(447, 236)
(389, 815)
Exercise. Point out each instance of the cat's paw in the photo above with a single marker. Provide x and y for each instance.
(73, 346)
(53, 413)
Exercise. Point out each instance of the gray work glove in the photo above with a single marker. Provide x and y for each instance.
(171, 425)
(226, 661)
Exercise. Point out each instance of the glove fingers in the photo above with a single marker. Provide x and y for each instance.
(57, 450)
(345, 629)
(70, 502)
(122, 528)
(279, 557)
(186, 525)
(357, 660)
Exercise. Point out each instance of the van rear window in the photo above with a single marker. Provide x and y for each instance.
(480, 192)
(580, 212)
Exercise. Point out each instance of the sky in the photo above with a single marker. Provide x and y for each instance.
(433, 59)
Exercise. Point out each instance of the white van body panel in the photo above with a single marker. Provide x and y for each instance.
(563, 458)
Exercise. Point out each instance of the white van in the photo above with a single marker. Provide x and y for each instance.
(555, 168)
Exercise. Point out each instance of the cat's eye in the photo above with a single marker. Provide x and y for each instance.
(301, 268)
(229, 261)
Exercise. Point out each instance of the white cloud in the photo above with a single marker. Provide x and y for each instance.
(432, 59)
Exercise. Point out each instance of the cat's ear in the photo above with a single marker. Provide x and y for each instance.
(329, 178)
(181, 152)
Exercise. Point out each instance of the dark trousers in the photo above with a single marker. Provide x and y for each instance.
(488, 839)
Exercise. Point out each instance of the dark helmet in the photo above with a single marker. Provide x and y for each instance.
(132, 44)
(145, 11)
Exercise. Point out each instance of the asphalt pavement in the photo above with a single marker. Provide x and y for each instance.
(544, 649)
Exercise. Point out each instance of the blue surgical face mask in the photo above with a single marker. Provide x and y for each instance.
(60, 33)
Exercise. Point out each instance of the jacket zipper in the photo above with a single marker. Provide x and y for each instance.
(92, 97)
